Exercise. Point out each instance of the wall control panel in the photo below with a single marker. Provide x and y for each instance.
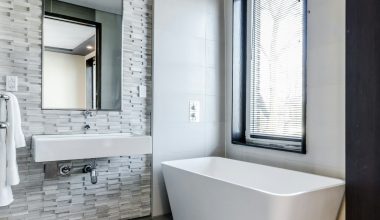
(11, 84)
(194, 111)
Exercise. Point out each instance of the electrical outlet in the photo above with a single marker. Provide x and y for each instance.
(194, 111)
(142, 91)
(11, 84)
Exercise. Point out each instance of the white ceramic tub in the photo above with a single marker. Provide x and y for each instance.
(223, 189)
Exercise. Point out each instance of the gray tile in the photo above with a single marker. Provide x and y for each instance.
(125, 181)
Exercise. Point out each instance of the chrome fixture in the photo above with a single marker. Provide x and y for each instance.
(3, 125)
(87, 127)
(65, 169)
(91, 168)
(5, 97)
(88, 113)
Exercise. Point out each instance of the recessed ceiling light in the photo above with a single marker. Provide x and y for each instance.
(89, 47)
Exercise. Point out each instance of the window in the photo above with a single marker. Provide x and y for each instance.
(269, 40)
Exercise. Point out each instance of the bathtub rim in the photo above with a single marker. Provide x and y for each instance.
(337, 185)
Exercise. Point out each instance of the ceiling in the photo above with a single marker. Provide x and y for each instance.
(66, 35)
(111, 6)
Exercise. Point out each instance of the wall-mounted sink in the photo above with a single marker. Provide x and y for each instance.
(84, 146)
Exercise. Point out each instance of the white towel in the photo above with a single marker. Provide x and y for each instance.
(10, 139)
(6, 196)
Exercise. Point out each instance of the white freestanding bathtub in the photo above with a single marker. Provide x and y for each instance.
(223, 189)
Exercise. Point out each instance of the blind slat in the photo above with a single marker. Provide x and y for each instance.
(276, 68)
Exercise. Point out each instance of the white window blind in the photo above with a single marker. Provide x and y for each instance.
(275, 72)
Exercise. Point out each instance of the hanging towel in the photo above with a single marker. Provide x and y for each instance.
(6, 196)
(14, 139)
(10, 139)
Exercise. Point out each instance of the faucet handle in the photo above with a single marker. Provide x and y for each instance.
(87, 168)
(65, 169)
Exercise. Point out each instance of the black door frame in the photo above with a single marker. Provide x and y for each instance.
(363, 109)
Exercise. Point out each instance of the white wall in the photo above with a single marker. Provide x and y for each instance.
(64, 81)
(325, 128)
(188, 65)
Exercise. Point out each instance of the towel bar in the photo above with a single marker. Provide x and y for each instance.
(3, 125)
(5, 97)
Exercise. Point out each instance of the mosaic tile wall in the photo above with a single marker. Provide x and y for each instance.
(123, 190)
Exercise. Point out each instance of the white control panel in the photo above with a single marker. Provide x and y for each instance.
(194, 111)
(11, 83)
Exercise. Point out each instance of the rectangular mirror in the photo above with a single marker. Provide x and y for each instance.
(82, 51)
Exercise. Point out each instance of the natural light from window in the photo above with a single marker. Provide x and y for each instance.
(276, 70)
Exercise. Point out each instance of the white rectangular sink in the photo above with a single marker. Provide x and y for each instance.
(85, 146)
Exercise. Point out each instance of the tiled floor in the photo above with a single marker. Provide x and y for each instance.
(166, 217)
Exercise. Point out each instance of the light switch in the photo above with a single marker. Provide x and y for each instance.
(11, 83)
(194, 111)
(142, 91)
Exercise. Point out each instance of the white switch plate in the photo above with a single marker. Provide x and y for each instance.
(194, 111)
(142, 91)
(11, 83)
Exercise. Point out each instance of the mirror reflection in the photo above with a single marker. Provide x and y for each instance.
(82, 54)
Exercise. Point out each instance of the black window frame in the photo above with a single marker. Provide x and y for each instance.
(239, 80)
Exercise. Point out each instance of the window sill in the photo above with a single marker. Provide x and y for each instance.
(248, 144)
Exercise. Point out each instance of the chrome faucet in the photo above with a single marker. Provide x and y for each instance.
(91, 168)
